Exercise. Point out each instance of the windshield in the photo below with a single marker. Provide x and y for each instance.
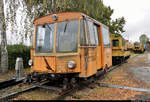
(67, 36)
(115, 43)
(136, 44)
(45, 36)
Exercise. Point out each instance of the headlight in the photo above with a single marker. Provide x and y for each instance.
(30, 62)
(71, 64)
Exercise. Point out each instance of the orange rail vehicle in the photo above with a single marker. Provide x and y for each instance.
(70, 44)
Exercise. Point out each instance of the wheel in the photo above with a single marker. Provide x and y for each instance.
(122, 60)
(65, 83)
(91, 80)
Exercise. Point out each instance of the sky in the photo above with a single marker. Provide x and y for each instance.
(136, 14)
(16, 33)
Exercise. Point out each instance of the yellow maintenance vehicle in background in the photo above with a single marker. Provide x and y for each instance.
(120, 52)
(138, 47)
(129, 46)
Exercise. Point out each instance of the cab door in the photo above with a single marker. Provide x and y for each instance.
(92, 50)
(88, 50)
(106, 48)
(98, 47)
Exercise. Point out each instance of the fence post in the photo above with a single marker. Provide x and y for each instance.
(19, 68)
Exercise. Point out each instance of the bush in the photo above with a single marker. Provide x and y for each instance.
(15, 51)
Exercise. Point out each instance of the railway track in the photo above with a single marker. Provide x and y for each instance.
(10, 82)
(92, 84)
(123, 87)
(22, 90)
(62, 93)
(84, 84)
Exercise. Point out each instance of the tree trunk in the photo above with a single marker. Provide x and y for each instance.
(4, 53)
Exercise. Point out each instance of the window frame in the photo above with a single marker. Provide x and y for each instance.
(83, 33)
(89, 33)
(115, 41)
(36, 35)
(77, 37)
(106, 45)
(97, 29)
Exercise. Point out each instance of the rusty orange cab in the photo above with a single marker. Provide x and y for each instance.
(70, 43)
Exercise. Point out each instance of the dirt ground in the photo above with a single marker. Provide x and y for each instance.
(11, 74)
(124, 75)
(134, 73)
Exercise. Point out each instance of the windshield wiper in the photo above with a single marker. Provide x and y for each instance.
(49, 28)
(48, 66)
(65, 27)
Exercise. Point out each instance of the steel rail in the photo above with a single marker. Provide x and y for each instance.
(14, 94)
(10, 82)
(11, 95)
(41, 85)
(123, 87)
(50, 88)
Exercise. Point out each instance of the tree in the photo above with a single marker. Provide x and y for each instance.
(35, 8)
(4, 53)
(117, 25)
(94, 8)
(143, 39)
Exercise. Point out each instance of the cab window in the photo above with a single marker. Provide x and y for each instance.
(115, 43)
(88, 33)
(91, 32)
(45, 37)
(96, 34)
(83, 40)
(106, 38)
(67, 36)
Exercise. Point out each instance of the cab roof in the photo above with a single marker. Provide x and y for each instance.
(64, 16)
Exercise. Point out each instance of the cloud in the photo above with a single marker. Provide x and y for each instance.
(136, 13)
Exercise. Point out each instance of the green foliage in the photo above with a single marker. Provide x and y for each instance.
(143, 39)
(15, 51)
(118, 35)
(93, 8)
(117, 25)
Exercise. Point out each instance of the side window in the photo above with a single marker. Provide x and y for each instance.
(88, 33)
(96, 34)
(106, 38)
(91, 33)
(82, 33)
